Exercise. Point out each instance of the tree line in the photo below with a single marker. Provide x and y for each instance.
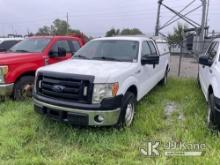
(61, 27)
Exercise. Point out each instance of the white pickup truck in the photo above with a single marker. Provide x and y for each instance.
(209, 80)
(103, 81)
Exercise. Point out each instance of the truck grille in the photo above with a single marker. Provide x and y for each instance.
(65, 87)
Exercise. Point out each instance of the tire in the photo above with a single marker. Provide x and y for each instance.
(23, 88)
(163, 82)
(127, 111)
(211, 119)
(198, 81)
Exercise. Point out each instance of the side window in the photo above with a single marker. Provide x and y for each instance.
(145, 49)
(153, 49)
(61, 44)
(212, 51)
(74, 46)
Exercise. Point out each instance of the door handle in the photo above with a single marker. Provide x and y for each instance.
(203, 66)
(210, 71)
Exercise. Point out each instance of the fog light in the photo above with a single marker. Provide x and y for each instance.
(99, 119)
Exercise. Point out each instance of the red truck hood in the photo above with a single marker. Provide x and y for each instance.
(10, 58)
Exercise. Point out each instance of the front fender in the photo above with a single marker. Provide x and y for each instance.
(216, 86)
(127, 83)
(16, 72)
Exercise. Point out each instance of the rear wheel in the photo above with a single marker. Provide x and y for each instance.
(127, 110)
(23, 88)
(164, 80)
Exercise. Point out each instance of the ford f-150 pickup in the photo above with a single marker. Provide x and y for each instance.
(103, 81)
(18, 65)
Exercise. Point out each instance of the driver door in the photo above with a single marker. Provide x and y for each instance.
(206, 72)
(54, 50)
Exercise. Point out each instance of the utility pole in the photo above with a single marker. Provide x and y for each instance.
(158, 18)
(200, 28)
(204, 20)
(67, 21)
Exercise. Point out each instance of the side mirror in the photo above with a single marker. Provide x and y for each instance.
(153, 60)
(204, 60)
(61, 53)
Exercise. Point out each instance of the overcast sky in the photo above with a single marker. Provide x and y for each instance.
(94, 17)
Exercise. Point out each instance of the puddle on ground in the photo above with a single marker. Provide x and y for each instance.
(170, 109)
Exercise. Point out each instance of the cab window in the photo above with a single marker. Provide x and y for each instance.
(145, 49)
(153, 49)
(212, 51)
(60, 44)
(74, 46)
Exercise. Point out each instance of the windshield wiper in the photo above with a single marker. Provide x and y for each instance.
(81, 56)
(106, 58)
(22, 51)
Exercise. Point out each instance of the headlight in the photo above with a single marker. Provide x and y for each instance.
(102, 91)
(3, 72)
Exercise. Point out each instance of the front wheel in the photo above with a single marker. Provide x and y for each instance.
(127, 110)
(211, 120)
(23, 88)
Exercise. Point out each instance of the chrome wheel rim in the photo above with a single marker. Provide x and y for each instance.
(26, 92)
(209, 115)
(129, 114)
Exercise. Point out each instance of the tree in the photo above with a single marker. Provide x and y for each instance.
(133, 31)
(115, 32)
(45, 30)
(112, 32)
(177, 35)
(59, 27)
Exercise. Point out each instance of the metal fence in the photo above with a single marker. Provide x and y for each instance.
(184, 57)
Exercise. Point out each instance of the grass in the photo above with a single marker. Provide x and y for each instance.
(28, 138)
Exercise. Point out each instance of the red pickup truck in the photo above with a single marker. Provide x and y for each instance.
(18, 65)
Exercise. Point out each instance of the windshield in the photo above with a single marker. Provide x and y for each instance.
(32, 45)
(112, 50)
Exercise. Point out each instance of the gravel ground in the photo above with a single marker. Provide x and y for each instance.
(189, 67)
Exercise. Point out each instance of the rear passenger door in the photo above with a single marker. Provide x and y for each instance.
(54, 50)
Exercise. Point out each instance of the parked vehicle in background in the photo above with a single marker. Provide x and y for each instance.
(103, 81)
(7, 43)
(209, 80)
(18, 64)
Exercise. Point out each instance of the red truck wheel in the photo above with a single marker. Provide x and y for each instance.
(23, 88)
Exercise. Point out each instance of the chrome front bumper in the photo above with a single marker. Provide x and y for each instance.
(110, 117)
(6, 89)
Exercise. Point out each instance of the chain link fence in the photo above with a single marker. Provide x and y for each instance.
(184, 57)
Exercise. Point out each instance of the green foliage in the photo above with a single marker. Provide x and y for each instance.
(29, 138)
(112, 32)
(134, 31)
(45, 30)
(59, 27)
(177, 35)
(116, 32)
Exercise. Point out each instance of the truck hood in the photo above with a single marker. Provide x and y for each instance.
(102, 70)
(10, 58)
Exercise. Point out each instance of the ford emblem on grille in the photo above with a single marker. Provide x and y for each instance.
(58, 88)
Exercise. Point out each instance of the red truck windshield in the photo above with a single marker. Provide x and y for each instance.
(32, 45)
